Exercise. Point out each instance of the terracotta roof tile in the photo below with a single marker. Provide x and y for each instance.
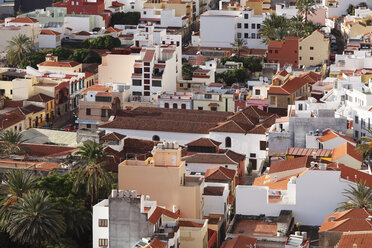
(239, 242)
(9, 119)
(24, 20)
(289, 164)
(295, 151)
(40, 98)
(355, 239)
(344, 149)
(219, 173)
(188, 223)
(49, 32)
(113, 137)
(156, 243)
(213, 190)
(351, 174)
(159, 211)
(330, 134)
(351, 220)
(204, 142)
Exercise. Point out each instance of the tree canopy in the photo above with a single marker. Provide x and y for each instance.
(85, 55)
(102, 42)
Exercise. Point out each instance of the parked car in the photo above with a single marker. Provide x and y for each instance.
(70, 128)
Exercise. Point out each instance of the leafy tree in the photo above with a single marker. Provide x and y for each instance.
(12, 143)
(365, 146)
(34, 220)
(232, 76)
(90, 171)
(188, 70)
(102, 42)
(16, 184)
(129, 18)
(63, 53)
(306, 7)
(359, 196)
(253, 64)
(32, 60)
(238, 45)
(18, 47)
(85, 55)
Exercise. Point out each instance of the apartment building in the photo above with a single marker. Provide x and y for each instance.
(163, 178)
(163, 18)
(213, 101)
(15, 26)
(235, 25)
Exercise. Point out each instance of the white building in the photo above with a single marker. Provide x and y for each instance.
(129, 5)
(215, 196)
(163, 18)
(178, 100)
(339, 8)
(234, 24)
(49, 39)
(311, 196)
(288, 11)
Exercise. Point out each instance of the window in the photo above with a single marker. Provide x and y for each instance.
(239, 35)
(300, 47)
(257, 92)
(208, 96)
(227, 142)
(213, 108)
(136, 93)
(258, 26)
(245, 16)
(253, 36)
(155, 138)
(175, 105)
(103, 112)
(295, 51)
(103, 242)
(156, 83)
(311, 48)
(263, 145)
(276, 51)
(89, 125)
(183, 106)
(300, 58)
(146, 93)
(270, 51)
(102, 222)
(166, 105)
(289, 100)
(252, 155)
(246, 25)
(239, 25)
(311, 58)
(246, 35)
(87, 111)
(200, 108)
(181, 85)
(356, 134)
(356, 119)
(144, 12)
(253, 26)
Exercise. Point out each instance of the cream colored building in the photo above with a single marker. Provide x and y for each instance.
(163, 178)
(52, 63)
(181, 8)
(313, 50)
(213, 101)
(117, 68)
(193, 233)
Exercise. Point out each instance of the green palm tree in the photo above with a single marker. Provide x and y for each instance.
(359, 196)
(12, 143)
(35, 221)
(306, 7)
(274, 28)
(238, 45)
(16, 184)
(19, 46)
(365, 146)
(90, 171)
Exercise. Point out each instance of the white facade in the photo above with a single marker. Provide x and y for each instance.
(100, 212)
(78, 23)
(49, 41)
(339, 8)
(286, 11)
(215, 204)
(234, 24)
(179, 100)
(311, 197)
(359, 60)
(163, 18)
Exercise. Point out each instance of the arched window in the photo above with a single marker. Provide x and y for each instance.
(166, 105)
(155, 138)
(227, 142)
(175, 106)
(183, 106)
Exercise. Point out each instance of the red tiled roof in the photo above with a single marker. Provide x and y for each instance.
(24, 20)
(49, 32)
(83, 33)
(330, 134)
(159, 211)
(188, 223)
(219, 173)
(344, 149)
(112, 29)
(113, 136)
(294, 151)
(149, 54)
(347, 221)
(351, 174)
(228, 157)
(40, 98)
(289, 164)
(41, 150)
(33, 108)
(213, 190)
(9, 119)
(355, 239)
(59, 63)
(239, 242)
(156, 243)
(204, 142)
(117, 4)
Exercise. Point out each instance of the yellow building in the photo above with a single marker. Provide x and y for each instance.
(12, 121)
(356, 28)
(46, 105)
(181, 8)
(163, 178)
(259, 6)
(193, 233)
(313, 50)
(213, 101)
(52, 63)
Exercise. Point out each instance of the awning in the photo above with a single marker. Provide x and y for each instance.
(213, 104)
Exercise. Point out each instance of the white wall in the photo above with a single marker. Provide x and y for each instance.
(208, 35)
(49, 41)
(77, 23)
(215, 204)
(318, 193)
(100, 211)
